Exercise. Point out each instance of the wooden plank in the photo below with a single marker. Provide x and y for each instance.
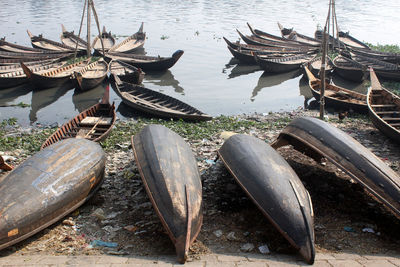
(96, 120)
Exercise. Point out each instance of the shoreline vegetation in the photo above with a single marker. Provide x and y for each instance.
(120, 212)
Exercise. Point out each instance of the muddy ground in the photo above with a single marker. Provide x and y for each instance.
(346, 218)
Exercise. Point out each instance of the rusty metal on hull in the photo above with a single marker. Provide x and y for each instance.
(48, 186)
(274, 187)
(319, 139)
(172, 181)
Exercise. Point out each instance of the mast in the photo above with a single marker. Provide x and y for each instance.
(88, 29)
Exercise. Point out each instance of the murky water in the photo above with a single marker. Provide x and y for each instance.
(205, 77)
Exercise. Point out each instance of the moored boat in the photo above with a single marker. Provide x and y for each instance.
(94, 123)
(383, 69)
(48, 186)
(147, 63)
(337, 97)
(91, 75)
(126, 72)
(172, 181)
(46, 44)
(274, 187)
(283, 64)
(384, 108)
(54, 77)
(319, 139)
(349, 69)
(156, 103)
(71, 40)
(130, 44)
(105, 37)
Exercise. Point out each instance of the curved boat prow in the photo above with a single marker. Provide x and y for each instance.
(273, 186)
(319, 139)
(29, 34)
(177, 54)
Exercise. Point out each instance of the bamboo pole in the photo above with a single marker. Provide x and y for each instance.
(80, 28)
(98, 26)
(322, 73)
(88, 30)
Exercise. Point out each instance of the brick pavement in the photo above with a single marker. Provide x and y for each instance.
(219, 260)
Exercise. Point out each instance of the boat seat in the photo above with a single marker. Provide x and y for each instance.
(384, 106)
(87, 121)
(390, 119)
(387, 112)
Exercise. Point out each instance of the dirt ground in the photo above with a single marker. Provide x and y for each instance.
(346, 217)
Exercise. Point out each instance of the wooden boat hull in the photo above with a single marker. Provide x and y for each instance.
(348, 69)
(48, 186)
(156, 103)
(126, 72)
(319, 139)
(132, 43)
(337, 97)
(274, 187)
(384, 109)
(170, 176)
(148, 63)
(281, 65)
(95, 132)
(8, 82)
(91, 76)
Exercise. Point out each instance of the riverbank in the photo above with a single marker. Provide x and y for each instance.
(346, 218)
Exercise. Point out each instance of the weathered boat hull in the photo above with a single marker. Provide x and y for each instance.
(274, 187)
(319, 139)
(48, 186)
(172, 181)
(384, 109)
(126, 72)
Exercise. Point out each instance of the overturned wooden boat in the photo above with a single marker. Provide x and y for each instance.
(349, 69)
(105, 37)
(72, 40)
(48, 186)
(130, 44)
(46, 44)
(384, 108)
(319, 139)
(156, 103)
(274, 187)
(337, 97)
(94, 123)
(53, 77)
(283, 64)
(91, 75)
(172, 181)
(126, 72)
(147, 63)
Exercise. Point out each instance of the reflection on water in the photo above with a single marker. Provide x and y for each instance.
(241, 69)
(165, 78)
(44, 98)
(10, 94)
(271, 79)
(86, 99)
(197, 27)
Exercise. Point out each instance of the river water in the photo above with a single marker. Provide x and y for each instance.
(205, 77)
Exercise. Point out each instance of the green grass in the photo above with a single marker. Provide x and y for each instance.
(385, 48)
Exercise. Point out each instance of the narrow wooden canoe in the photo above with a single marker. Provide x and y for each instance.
(46, 44)
(147, 63)
(264, 35)
(106, 37)
(337, 97)
(283, 64)
(22, 56)
(291, 34)
(91, 75)
(156, 103)
(48, 186)
(384, 108)
(72, 40)
(126, 72)
(94, 123)
(240, 46)
(314, 65)
(274, 187)
(170, 176)
(349, 40)
(383, 56)
(10, 47)
(131, 43)
(53, 77)
(349, 69)
(17, 76)
(248, 56)
(319, 139)
(383, 69)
